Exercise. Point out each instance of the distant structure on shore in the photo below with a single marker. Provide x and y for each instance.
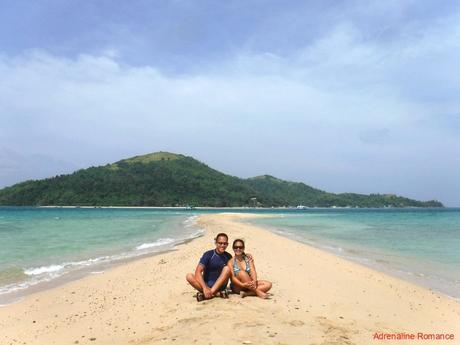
(168, 179)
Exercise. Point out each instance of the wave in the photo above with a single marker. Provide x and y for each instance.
(54, 269)
(41, 274)
(43, 269)
(158, 243)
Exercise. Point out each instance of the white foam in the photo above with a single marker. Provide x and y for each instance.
(47, 273)
(158, 243)
(43, 269)
(21, 286)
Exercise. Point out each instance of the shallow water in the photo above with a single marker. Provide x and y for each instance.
(39, 246)
(420, 245)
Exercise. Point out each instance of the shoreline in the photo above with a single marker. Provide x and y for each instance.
(317, 298)
(19, 294)
(374, 263)
(16, 296)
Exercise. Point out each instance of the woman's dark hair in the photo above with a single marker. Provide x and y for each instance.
(221, 234)
(238, 240)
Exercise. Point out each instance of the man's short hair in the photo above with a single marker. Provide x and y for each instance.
(221, 234)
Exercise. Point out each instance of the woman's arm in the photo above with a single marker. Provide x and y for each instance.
(234, 279)
(253, 272)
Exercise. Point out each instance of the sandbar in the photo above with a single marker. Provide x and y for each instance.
(317, 298)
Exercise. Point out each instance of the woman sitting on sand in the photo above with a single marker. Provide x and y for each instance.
(244, 275)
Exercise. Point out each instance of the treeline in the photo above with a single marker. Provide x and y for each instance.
(165, 179)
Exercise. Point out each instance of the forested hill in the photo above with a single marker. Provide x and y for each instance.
(167, 179)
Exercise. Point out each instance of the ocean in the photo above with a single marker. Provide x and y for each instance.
(40, 247)
(418, 245)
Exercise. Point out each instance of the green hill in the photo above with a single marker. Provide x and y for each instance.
(168, 179)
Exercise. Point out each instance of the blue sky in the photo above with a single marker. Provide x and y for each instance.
(342, 95)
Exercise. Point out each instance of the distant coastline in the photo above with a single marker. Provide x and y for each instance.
(164, 179)
(227, 207)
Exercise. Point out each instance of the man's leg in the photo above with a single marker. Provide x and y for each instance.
(223, 278)
(192, 281)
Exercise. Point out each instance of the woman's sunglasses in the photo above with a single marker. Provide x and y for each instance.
(238, 247)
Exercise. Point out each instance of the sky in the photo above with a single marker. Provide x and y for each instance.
(345, 96)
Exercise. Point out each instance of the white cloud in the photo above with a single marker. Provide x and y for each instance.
(342, 109)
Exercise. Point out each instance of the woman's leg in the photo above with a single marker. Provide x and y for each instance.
(264, 285)
(244, 277)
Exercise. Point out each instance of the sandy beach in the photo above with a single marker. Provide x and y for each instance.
(317, 298)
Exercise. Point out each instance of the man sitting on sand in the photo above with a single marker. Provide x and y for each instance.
(212, 274)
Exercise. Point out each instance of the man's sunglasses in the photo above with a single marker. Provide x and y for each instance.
(222, 243)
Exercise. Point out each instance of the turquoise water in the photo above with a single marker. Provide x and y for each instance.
(420, 245)
(40, 245)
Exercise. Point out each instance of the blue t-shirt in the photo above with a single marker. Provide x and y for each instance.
(213, 264)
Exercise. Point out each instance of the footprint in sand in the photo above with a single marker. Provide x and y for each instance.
(334, 333)
(247, 324)
(296, 323)
(189, 319)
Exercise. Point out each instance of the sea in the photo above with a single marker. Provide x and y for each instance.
(43, 247)
(420, 245)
